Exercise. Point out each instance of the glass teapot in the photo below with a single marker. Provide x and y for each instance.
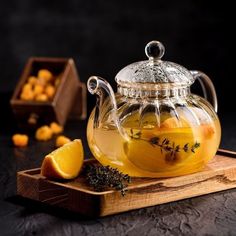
(154, 126)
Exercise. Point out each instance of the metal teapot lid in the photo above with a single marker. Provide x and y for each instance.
(154, 71)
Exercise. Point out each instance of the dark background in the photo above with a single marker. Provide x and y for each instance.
(104, 36)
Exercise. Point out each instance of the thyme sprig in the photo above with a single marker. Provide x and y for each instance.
(165, 144)
(102, 178)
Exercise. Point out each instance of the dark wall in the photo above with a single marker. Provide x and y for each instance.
(104, 36)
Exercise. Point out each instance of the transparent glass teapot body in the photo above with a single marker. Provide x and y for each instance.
(154, 128)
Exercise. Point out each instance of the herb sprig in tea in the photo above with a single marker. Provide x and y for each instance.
(171, 148)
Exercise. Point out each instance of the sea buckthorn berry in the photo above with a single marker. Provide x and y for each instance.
(45, 74)
(43, 133)
(61, 140)
(41, 98)
(50, 91)
(32, 80)
(27, 87)
(27, 95)
(42, 82)
(20, 140)
(38, 89)
(56, 128)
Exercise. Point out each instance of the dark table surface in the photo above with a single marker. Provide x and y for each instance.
(212, 214)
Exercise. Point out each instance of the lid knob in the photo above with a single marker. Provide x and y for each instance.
(154, 50)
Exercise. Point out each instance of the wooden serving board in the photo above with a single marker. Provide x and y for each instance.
(220, 174)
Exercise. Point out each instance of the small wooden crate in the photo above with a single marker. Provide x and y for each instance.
(69, 100)
(76, 195)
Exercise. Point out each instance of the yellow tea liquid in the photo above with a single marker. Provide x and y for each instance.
(152, 151)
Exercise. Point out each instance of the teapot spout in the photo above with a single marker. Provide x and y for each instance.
(103, 90)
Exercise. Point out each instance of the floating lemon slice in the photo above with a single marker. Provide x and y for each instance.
(65, 162)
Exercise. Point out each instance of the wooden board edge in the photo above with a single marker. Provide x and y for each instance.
(160, 193)
(225, 152)
(27, 187)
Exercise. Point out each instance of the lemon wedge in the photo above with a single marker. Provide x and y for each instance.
(64, 162)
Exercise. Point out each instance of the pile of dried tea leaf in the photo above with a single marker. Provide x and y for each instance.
(103, 178)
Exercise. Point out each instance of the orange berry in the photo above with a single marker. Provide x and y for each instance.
(20, 140)
(43, 133)
(27, 87)
(41, 98)
(38, 89)
(27, 95)
(62, 140)
(208, 131)
(42, 82)
(56, 128)
(45, 74)
(32, 80)
(50, 91)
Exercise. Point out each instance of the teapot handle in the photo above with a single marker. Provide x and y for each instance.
(208, 88)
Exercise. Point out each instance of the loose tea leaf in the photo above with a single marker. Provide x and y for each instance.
(102, 178)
